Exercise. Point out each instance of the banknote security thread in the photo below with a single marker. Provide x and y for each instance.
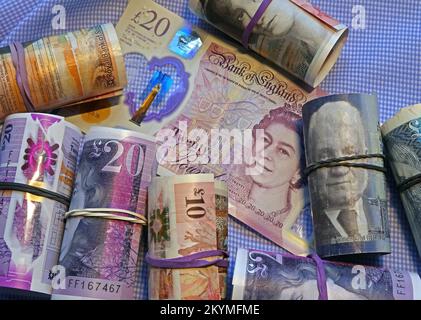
(401, 136)
(262, 275)
(279, 31)
(187, 238)
(61, 70)
(346, 175)
(99, 256)
(38, 155)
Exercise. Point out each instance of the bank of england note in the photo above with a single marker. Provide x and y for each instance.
(38, 152)
(273, 276)
(99, 256)
(290, 33)
(187, 215)
(233, 100)
(348, 201)
(62, 70)
(403, 147)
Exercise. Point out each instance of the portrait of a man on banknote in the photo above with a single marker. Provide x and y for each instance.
(339, 190)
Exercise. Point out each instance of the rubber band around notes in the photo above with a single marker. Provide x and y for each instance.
(253, 22)
(36, 191)
(321, 276)
(107, 213)
(339, 162)
(195, 260)
(409, 183)
(18, 58)
(320, 273)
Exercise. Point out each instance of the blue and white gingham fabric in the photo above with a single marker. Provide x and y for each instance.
(383, 58)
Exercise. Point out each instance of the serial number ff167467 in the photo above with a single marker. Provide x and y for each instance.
(93, 285)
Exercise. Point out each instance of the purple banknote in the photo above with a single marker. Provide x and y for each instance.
(38, 157)
(273, 276)
(100, 246)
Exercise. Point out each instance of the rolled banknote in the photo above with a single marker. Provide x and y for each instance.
(402, 137)
(38, 157)
(345, 169)
(272, 276)
(61, 70)
(187, 216)
(290, 33)
(99, 252)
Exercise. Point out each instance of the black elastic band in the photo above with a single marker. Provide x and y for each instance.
(408, 183)
(337, 162)
(14, 186)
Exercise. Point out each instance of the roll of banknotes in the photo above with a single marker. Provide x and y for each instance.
(38, 157)
(99, 252)
(345, 168)
(402, 137)
(290, 33)
(61, 70)
(187, 215)
(272, 276)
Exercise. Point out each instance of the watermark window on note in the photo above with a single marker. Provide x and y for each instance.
(59, 20)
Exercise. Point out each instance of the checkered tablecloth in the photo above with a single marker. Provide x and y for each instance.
(383, 58)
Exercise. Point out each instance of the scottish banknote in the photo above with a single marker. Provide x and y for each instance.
(272, 276)
(294, 35)
(348, 192)
(98, 255)
(187, 214)
(403, 147)
(38, 152)
(63, 69)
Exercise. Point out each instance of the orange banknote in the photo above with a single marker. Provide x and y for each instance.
(187, 215)
(61, 70)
